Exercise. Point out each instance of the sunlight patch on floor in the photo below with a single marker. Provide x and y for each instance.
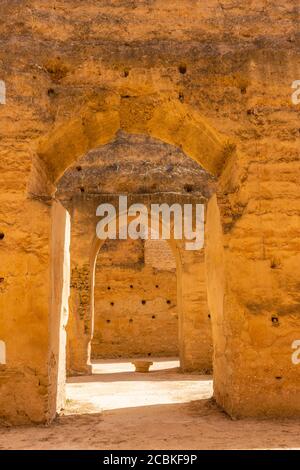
(115, 385)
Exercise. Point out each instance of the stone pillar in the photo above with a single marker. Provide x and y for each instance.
(252, 278)
(80, 326)
(195, 336)
(26, 391)
(59, 308)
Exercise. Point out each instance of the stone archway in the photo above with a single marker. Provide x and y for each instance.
(189, 275)
(32, 380)
(97, 123)
(160, 117)
(175, 179)
(247, 362)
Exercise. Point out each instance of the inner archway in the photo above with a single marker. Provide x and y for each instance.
(148, 172)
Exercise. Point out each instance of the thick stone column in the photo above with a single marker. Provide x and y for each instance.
(252, 276)
(80, 326)
(59, 307)
(27, 392)
(195, 336)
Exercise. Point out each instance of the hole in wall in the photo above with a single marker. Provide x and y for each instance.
(131, 286)
(168, 302)
(82, 189)
(107, 321)
(274, 263)
(112, 304)
(79, 168)
(275, 321)
(157, 286)
(182, 69)
(181, 97)
(51, 92)
(153, 316)
(108, 287)
(1, 279)
(130, 320)
(188, 188)
(2, 235)
(143, 302)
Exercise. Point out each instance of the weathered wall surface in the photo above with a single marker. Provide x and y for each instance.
(135, 300)
(212, 77)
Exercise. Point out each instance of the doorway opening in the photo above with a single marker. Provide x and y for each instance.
(135, 299)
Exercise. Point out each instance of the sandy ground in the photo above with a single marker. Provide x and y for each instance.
(117, 408)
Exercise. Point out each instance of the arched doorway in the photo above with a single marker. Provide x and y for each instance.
(171, 121)
(79, 192)
(80, 184)
(196, 138)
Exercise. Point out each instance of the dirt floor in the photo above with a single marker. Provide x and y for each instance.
(117, 408)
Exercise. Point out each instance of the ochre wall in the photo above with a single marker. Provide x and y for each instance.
(135, 300)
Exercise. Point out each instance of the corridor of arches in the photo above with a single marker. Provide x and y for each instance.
(130, 299)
